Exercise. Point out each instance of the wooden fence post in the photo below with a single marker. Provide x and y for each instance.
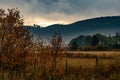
(97, 61)
(66, 69)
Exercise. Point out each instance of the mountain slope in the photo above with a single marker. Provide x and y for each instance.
(104, 25)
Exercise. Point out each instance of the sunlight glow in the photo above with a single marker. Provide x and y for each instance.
(43, 22)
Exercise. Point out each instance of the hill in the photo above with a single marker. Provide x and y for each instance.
(105, 25)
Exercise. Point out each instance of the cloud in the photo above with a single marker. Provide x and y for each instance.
(65, 11)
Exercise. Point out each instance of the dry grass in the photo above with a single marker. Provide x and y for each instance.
(98, 53)
(91, 62)
(85, 61)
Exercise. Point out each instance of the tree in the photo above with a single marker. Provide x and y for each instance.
(15, 40)
(73, 45)
(117, 36)
(57, 52)
(95, 40)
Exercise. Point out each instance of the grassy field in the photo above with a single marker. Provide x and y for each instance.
(98, 53)
(84, 65)
(86, 61)
(88, 58)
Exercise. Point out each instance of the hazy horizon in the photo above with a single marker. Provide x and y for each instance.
(49, 12)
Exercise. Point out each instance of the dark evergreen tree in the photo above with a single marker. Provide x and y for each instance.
(95, 40)
(73, 45)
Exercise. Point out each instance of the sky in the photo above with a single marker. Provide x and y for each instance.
(48, 12)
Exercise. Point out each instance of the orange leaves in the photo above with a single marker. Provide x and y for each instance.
(17, 51)
(15, 40)
(4, 58)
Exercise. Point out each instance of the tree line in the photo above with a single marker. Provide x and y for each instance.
(95, 42)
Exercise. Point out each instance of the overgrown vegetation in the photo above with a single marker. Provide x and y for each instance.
(23, 59)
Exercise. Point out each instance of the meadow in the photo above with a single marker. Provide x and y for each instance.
(84, 66)
(89, 57)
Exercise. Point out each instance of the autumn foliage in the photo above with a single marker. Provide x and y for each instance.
(19, 53)
(14, 40)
